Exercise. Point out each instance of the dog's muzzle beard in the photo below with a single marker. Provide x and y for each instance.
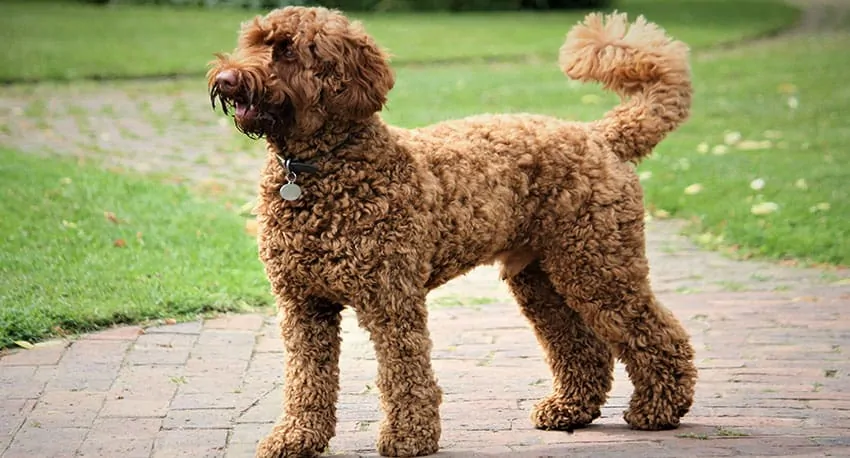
(251, 115)
(245, 111)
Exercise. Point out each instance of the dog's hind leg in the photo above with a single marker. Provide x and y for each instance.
(582, 364)
(599, 266)
(310, 329)
(397, 323)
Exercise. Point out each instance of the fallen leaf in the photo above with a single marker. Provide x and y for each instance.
(24, 344)
(787, 88)
(69, 224)
(111, 217)
(645, 175)
(731, 138)
(247, 208)
(170, 321)
(801, 184)
(590, 99)
(752, 145)
(793, 102)
(764, 208)
(702, 148)
(251, 227)
(757, 184)
(65, 180)
(719, 150)
(119, 243)
(695, 188)
(821, 207)
(662, 214)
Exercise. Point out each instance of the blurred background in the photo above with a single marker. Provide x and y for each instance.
(125, 198)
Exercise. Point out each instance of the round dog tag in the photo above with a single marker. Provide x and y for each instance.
(290, 191)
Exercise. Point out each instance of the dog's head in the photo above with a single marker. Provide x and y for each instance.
(297, 69)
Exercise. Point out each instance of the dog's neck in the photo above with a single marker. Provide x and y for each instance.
(327, 139)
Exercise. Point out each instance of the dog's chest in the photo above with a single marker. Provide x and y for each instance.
(332, 239)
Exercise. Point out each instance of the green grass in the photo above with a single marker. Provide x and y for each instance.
(804, 170)
(60, 268)
(65, 40)
(745, 92)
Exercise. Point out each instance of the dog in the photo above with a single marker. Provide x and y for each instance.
(353, 212)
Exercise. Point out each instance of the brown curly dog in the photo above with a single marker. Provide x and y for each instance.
(354, 212)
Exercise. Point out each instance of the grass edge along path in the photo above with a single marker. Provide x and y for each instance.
(84, 248)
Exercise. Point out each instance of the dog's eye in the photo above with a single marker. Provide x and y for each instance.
(284, 50)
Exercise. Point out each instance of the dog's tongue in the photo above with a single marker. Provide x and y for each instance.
(245, 111)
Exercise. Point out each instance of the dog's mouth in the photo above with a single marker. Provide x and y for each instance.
(252, 114)
(242, 108)
(245, 111)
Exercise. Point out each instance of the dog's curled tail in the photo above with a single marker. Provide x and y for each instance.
(648, 69)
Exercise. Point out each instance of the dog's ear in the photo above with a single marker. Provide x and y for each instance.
(365, 76)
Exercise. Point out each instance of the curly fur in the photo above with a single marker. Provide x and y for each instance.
(393, 213)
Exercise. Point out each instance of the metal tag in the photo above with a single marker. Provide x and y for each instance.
(290, 191)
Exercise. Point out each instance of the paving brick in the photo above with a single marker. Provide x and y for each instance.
(108, 446)
(15, 412)
(206, 443)
(236, 322)
(67, 409)
(142, 391)
(122, 333)
(199, 419)
(18, 382)
(185, 401)
(158, 355)
(775, 391)
(42, 355)
(121, 437)
(89, 365)
(240, 450)
(268, 344)
(265, 409)
(192, 327)
(151, 382)
(250, 433)
(165, 340)
(34, 441)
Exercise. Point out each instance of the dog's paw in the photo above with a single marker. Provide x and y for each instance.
(286, 441)
(555, 413)
(656, 415)
(651, 422)
(408, 441)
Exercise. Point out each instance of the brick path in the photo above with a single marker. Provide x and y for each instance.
(771, 343)
(773, 381)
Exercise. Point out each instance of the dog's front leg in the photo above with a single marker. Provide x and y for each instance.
(311, 334)
(410, 397)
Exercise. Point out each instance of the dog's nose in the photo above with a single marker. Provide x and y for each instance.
(226, 80)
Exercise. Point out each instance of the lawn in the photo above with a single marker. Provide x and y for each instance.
(67, 40)
(84, 248)
(773, 119)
